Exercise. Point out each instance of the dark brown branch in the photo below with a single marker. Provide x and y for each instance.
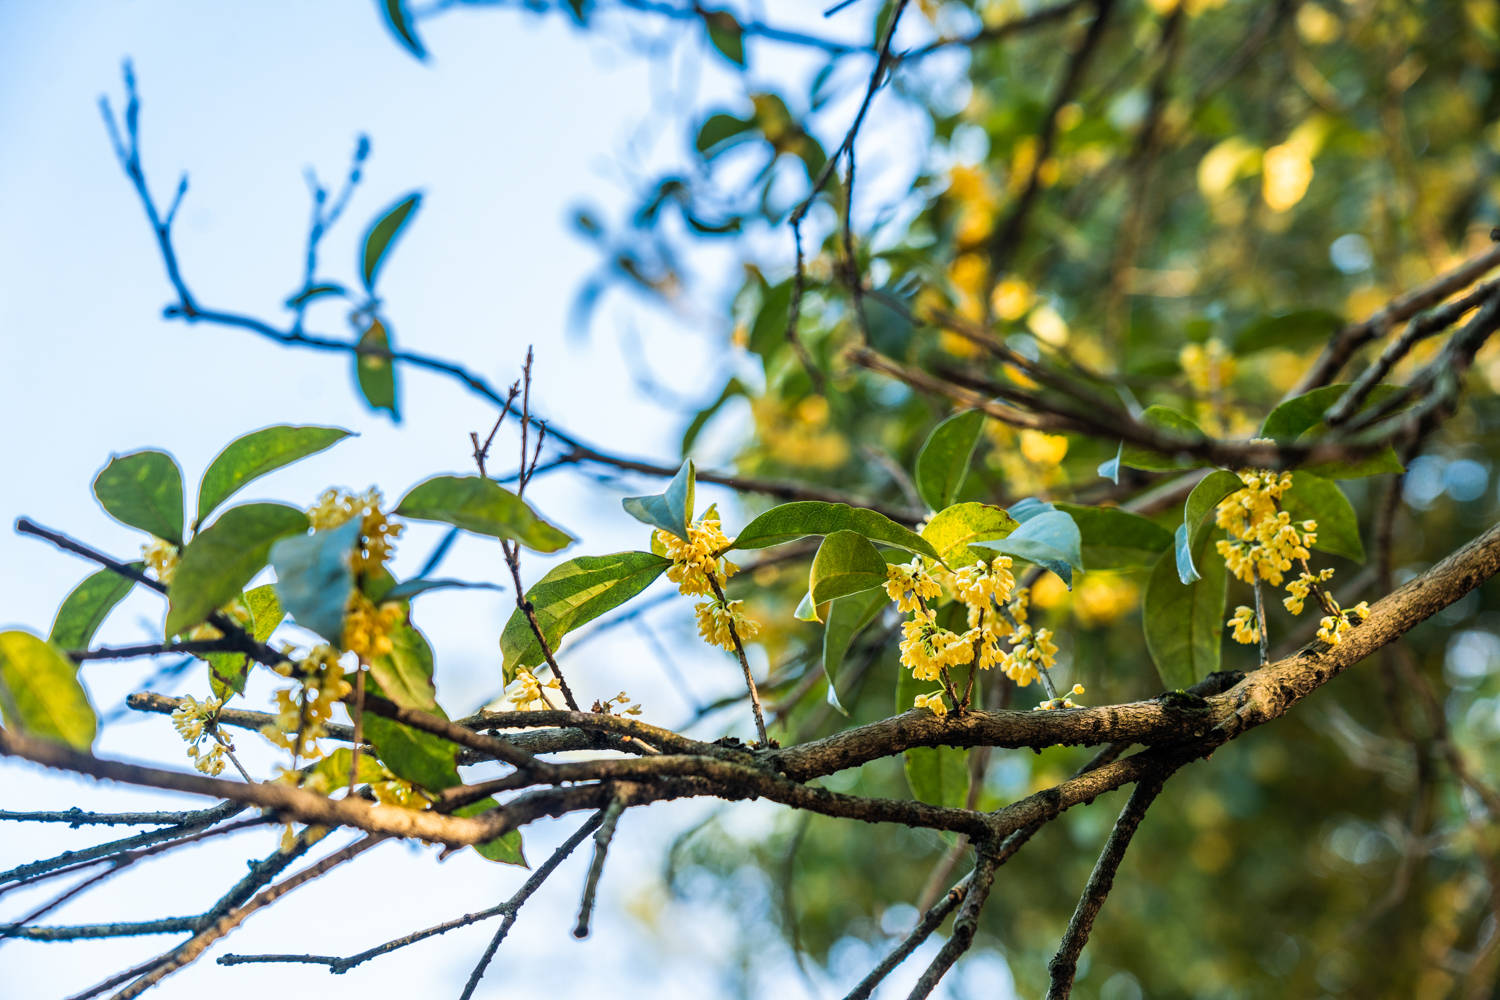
(981, 881)
(1064, 964)
(931, 921)
(602, 838)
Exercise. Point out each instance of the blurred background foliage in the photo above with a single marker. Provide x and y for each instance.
(1225, 184)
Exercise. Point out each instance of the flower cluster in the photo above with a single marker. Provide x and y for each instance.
(998, 635)
(368, 627)
(1333, 626)
(377, 535)
(699, 569)
(1263, 540)
(529, 693)
(304, 709)
(1066, 701)
(622, 701)
(197, 721)
(161, 558)
(1246, 626)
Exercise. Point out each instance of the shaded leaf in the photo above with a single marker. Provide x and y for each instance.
(1303, 415)
(1117, 539)
(953, 529)
(249, 457)
(144, 490)
(484, 507)
(506, 848)
(944, 459)
(1315, 498)
(1205, 497)
(227, 671)
(1049, 539)
(224, 557)
(846, 563)
(400, 23)
(936, 775)
(40, 694)
(1184, 623)
(1170, 421)
(670, 510)
(414, 754)
(408, 589)
(720, 131)
(311, 292)
(86, 607)
(405, 673)
(726, 35)
(315, 577)
(376, 374)
(573, 594)
(383, 233)
(1302, 328)
(847, 618)
(800, 518)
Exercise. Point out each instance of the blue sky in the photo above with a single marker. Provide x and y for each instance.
(516, 121)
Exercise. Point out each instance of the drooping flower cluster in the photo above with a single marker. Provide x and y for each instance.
(1263, 540)
(528, 692)
(367, 626)
(998, 635)
(196, 722)
(378, 534)
(1265, 544)
(698, 568)
(303, 710)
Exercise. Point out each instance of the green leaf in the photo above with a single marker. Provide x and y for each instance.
(573, 594)
(1379, 463)
(257, 453)
(1303, 415)
(383, 233)
(315, 577)
(953, 529)
(734, 387)
(847, 618)
(332, 772)
(484, 507)
(1111, 469)
(1184, 623)
(405, 673)
(846, 563)
(1049, 539)
(1315, 498)
(227, 671)
(224, 557)
(671, 510)
(505, 848)
(1302, 328)
(936, 775)
(1206, 495)
(944, 459)
(40, 693)
(720, 131)
(86, 607)
(311, 292)
(420, 757)
(807, 611)
(1117, 539)
(408, 589)
(400, 23)
(800, 518)
(144, 490)
(1170, 421)
(376, 374)
(726, 35)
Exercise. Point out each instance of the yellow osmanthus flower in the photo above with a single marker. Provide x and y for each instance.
(1030, 654)
(528, 693)
(197, 721)
(933, 702)
(622, 701)
(926, 648)
(368, 628)
(1299, 588)
(977, 203)
(715, 621)
(1042, 448)
(303, 711)
(697, 560)
(1104, 598)
(979, 585)
(1209, 366)
(909, 585)
(1012, 298)
(798, 434)
(378, 534)
(1264, 541)
(1246, 628)
(161, 558)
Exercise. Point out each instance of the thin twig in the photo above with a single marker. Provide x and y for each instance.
(602, 838)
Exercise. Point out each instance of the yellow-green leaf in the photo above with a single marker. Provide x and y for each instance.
(484, 507)
(40, 693)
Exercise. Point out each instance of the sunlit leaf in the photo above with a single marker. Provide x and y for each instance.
(800, 518)
(944, 459)
(144, 490)
(86, 607)
(670, 510)
(484, 507)
(573, 594)
(40, 694)
(952, 530)
(257, 453)
(846, 563)
(223, 557)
